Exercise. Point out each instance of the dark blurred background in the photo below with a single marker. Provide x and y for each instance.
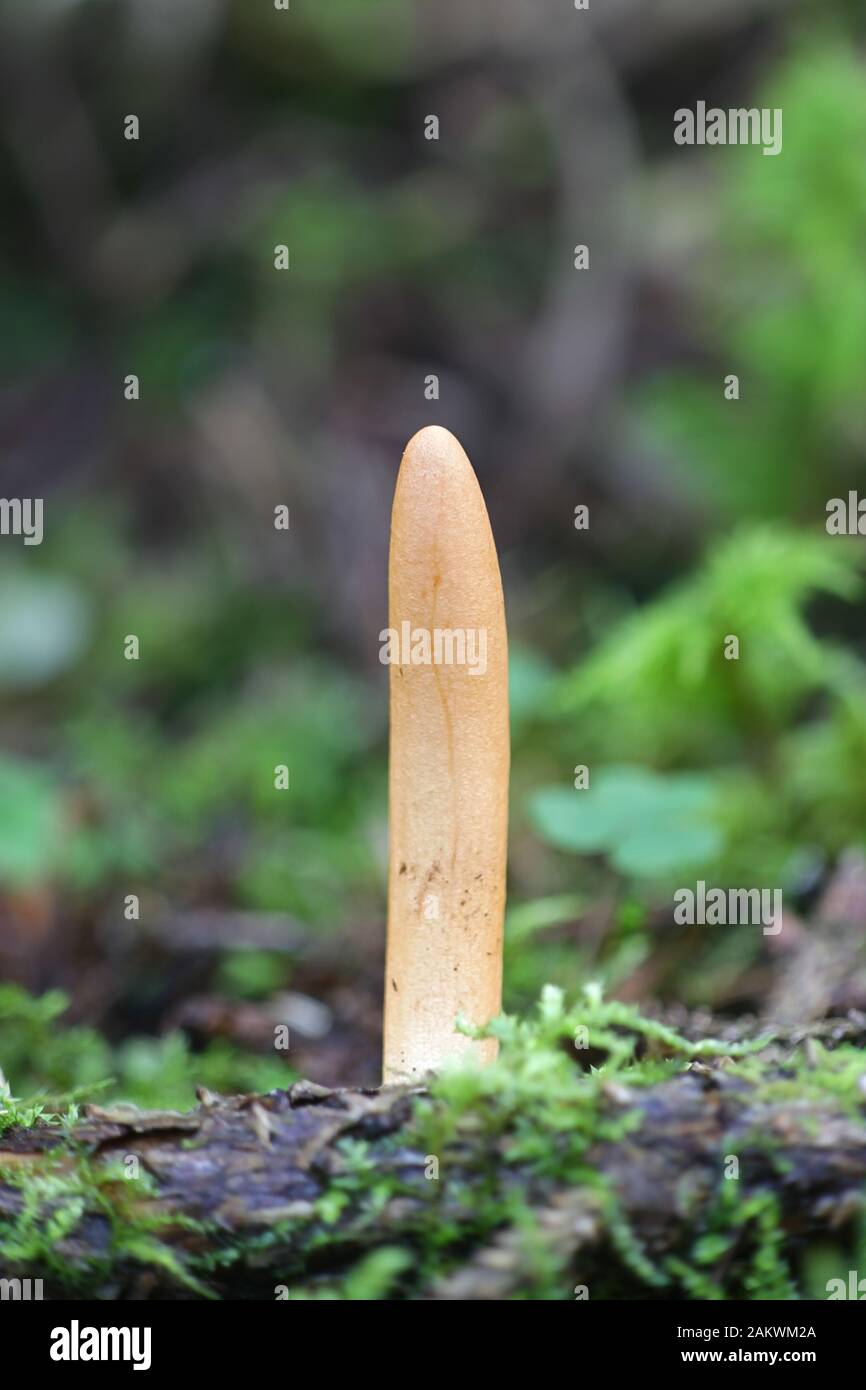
(410, 259)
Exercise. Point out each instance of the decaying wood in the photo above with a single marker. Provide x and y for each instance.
(253, 1167)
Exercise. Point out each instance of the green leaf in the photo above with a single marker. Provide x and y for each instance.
(648, 824)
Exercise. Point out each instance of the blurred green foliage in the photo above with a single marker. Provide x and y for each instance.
(31, 839)
(156, 759)
(785, 303)
(58, 1066)
(775, 734)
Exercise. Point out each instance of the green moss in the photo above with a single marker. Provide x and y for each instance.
(816, 1074)
(483, 1154)
(751, 1225)
(536, 1123)
(58, 1193)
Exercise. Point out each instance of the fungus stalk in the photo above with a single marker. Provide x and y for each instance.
(449, 758)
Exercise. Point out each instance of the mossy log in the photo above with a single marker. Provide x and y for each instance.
(258, 1197)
